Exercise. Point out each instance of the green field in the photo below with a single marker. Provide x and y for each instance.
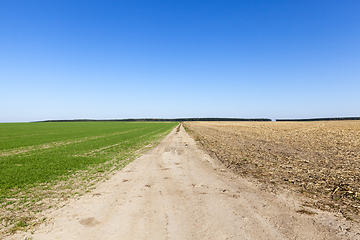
(37, 158)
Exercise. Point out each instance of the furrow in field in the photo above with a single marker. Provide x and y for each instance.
(57, 144)
(177, 191)
(320, 160)
(50, 173)
(91, 152)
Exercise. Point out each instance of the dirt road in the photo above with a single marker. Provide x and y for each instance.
(177, 191)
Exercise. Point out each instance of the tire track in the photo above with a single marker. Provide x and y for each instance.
(176, 191)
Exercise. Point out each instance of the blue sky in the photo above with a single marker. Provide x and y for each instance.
(167, 59)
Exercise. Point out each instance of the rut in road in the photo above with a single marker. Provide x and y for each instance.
(177, 191)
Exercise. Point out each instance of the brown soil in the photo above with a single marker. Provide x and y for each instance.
(321, 160)
(178, 191)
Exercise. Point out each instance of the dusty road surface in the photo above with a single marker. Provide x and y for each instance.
(319, 159)
(177, 191)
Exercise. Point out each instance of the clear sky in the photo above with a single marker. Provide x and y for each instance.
(101, 59)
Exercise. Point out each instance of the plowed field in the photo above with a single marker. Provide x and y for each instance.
(320, 160)
(178, 191)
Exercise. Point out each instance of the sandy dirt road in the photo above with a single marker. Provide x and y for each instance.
(177, 191)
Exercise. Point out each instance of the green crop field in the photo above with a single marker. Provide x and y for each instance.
(42, 163)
